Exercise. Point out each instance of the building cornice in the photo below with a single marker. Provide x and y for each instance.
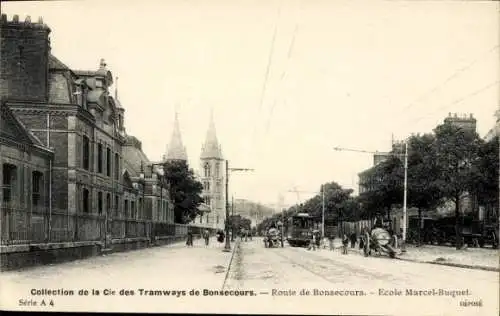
(26, 147)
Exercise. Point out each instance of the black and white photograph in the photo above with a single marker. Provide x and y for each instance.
(304, 157)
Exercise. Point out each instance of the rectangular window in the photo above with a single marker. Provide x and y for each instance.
(117, 167)
(117, 204)
(108, 162)
(99, 158)
(86, 153)
(86, 201)
(125, 209)
(99, 202)
(132, 209)
(108, 203)
(36, 187)
(9, 174)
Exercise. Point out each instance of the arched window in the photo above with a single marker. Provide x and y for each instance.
(207, 169)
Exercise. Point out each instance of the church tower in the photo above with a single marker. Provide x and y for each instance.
(175, 149)
(212, 172)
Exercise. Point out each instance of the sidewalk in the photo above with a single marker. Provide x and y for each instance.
(471, 258)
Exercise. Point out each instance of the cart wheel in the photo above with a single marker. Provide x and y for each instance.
(366, 248)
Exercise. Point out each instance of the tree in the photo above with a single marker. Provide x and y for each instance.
(184, 190)
(386, 187)
(457, 152)
(486, 184)
(424, 192)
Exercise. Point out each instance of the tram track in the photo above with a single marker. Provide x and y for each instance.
(331, 270)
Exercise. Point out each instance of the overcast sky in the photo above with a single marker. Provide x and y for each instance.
(340, 73)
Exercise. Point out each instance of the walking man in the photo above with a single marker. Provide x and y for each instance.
(206, 236)
(345, 243)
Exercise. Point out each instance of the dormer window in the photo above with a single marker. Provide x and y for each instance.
(78, 95)
(98, 83)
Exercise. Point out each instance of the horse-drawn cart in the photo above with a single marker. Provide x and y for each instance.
(379, 241)
(273, 238)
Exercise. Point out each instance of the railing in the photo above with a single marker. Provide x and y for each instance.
(21, 226)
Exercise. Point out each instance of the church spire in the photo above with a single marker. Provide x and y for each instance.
(211, 148)
(176, 150)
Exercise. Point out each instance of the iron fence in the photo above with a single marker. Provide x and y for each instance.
(20, 225)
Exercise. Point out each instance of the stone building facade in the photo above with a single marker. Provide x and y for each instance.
(213, 176)
(64, 148)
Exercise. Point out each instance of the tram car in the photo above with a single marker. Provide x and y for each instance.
(298, 230)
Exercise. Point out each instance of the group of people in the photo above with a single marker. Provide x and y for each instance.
(206, 237)
(316, 241)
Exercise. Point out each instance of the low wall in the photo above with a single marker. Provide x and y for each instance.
(36, 256)
(18, 256)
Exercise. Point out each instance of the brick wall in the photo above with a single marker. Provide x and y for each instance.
(60, 188)
(24, 63)
(59, 91)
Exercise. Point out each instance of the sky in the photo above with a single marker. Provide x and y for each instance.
(287, 80)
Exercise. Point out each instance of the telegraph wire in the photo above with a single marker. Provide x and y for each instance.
(472, 94)
(266, 75)
(453, 76)
(283, 74)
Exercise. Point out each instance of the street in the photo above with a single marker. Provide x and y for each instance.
(161, 279)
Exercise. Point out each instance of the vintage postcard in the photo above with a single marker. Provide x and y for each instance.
(253, 156)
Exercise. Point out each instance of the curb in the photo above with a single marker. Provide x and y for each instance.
(236, 245)
(449, 264)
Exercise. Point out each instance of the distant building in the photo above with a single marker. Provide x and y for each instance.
(463, 120)
(366, 178)
(176, 150)
(213, 175)
(495, 130)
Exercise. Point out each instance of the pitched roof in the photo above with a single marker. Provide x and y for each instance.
(13, 128)
(176, 150)
(211, 148)
(56, 64)
(133, 156)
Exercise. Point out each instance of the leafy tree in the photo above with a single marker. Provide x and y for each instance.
(486, 184)
(424, 191)
(386, 187)
(457, 152)
(184, 190)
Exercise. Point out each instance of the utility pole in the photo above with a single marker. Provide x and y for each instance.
(323, 211)
(405, 193)
(405, 196)
(227, 246)
(232, 218)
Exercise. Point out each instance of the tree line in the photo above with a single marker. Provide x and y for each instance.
(445, 165)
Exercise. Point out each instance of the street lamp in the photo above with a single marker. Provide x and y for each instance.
(227, 246)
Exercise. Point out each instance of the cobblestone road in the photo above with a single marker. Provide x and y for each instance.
(297, 268)
(354, 284)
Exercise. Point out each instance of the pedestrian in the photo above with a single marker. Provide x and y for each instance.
(353, 239)
(206, 236)
(189, 240)
(362, 239)
(312, 242)
(331, 238)
(345, 243)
